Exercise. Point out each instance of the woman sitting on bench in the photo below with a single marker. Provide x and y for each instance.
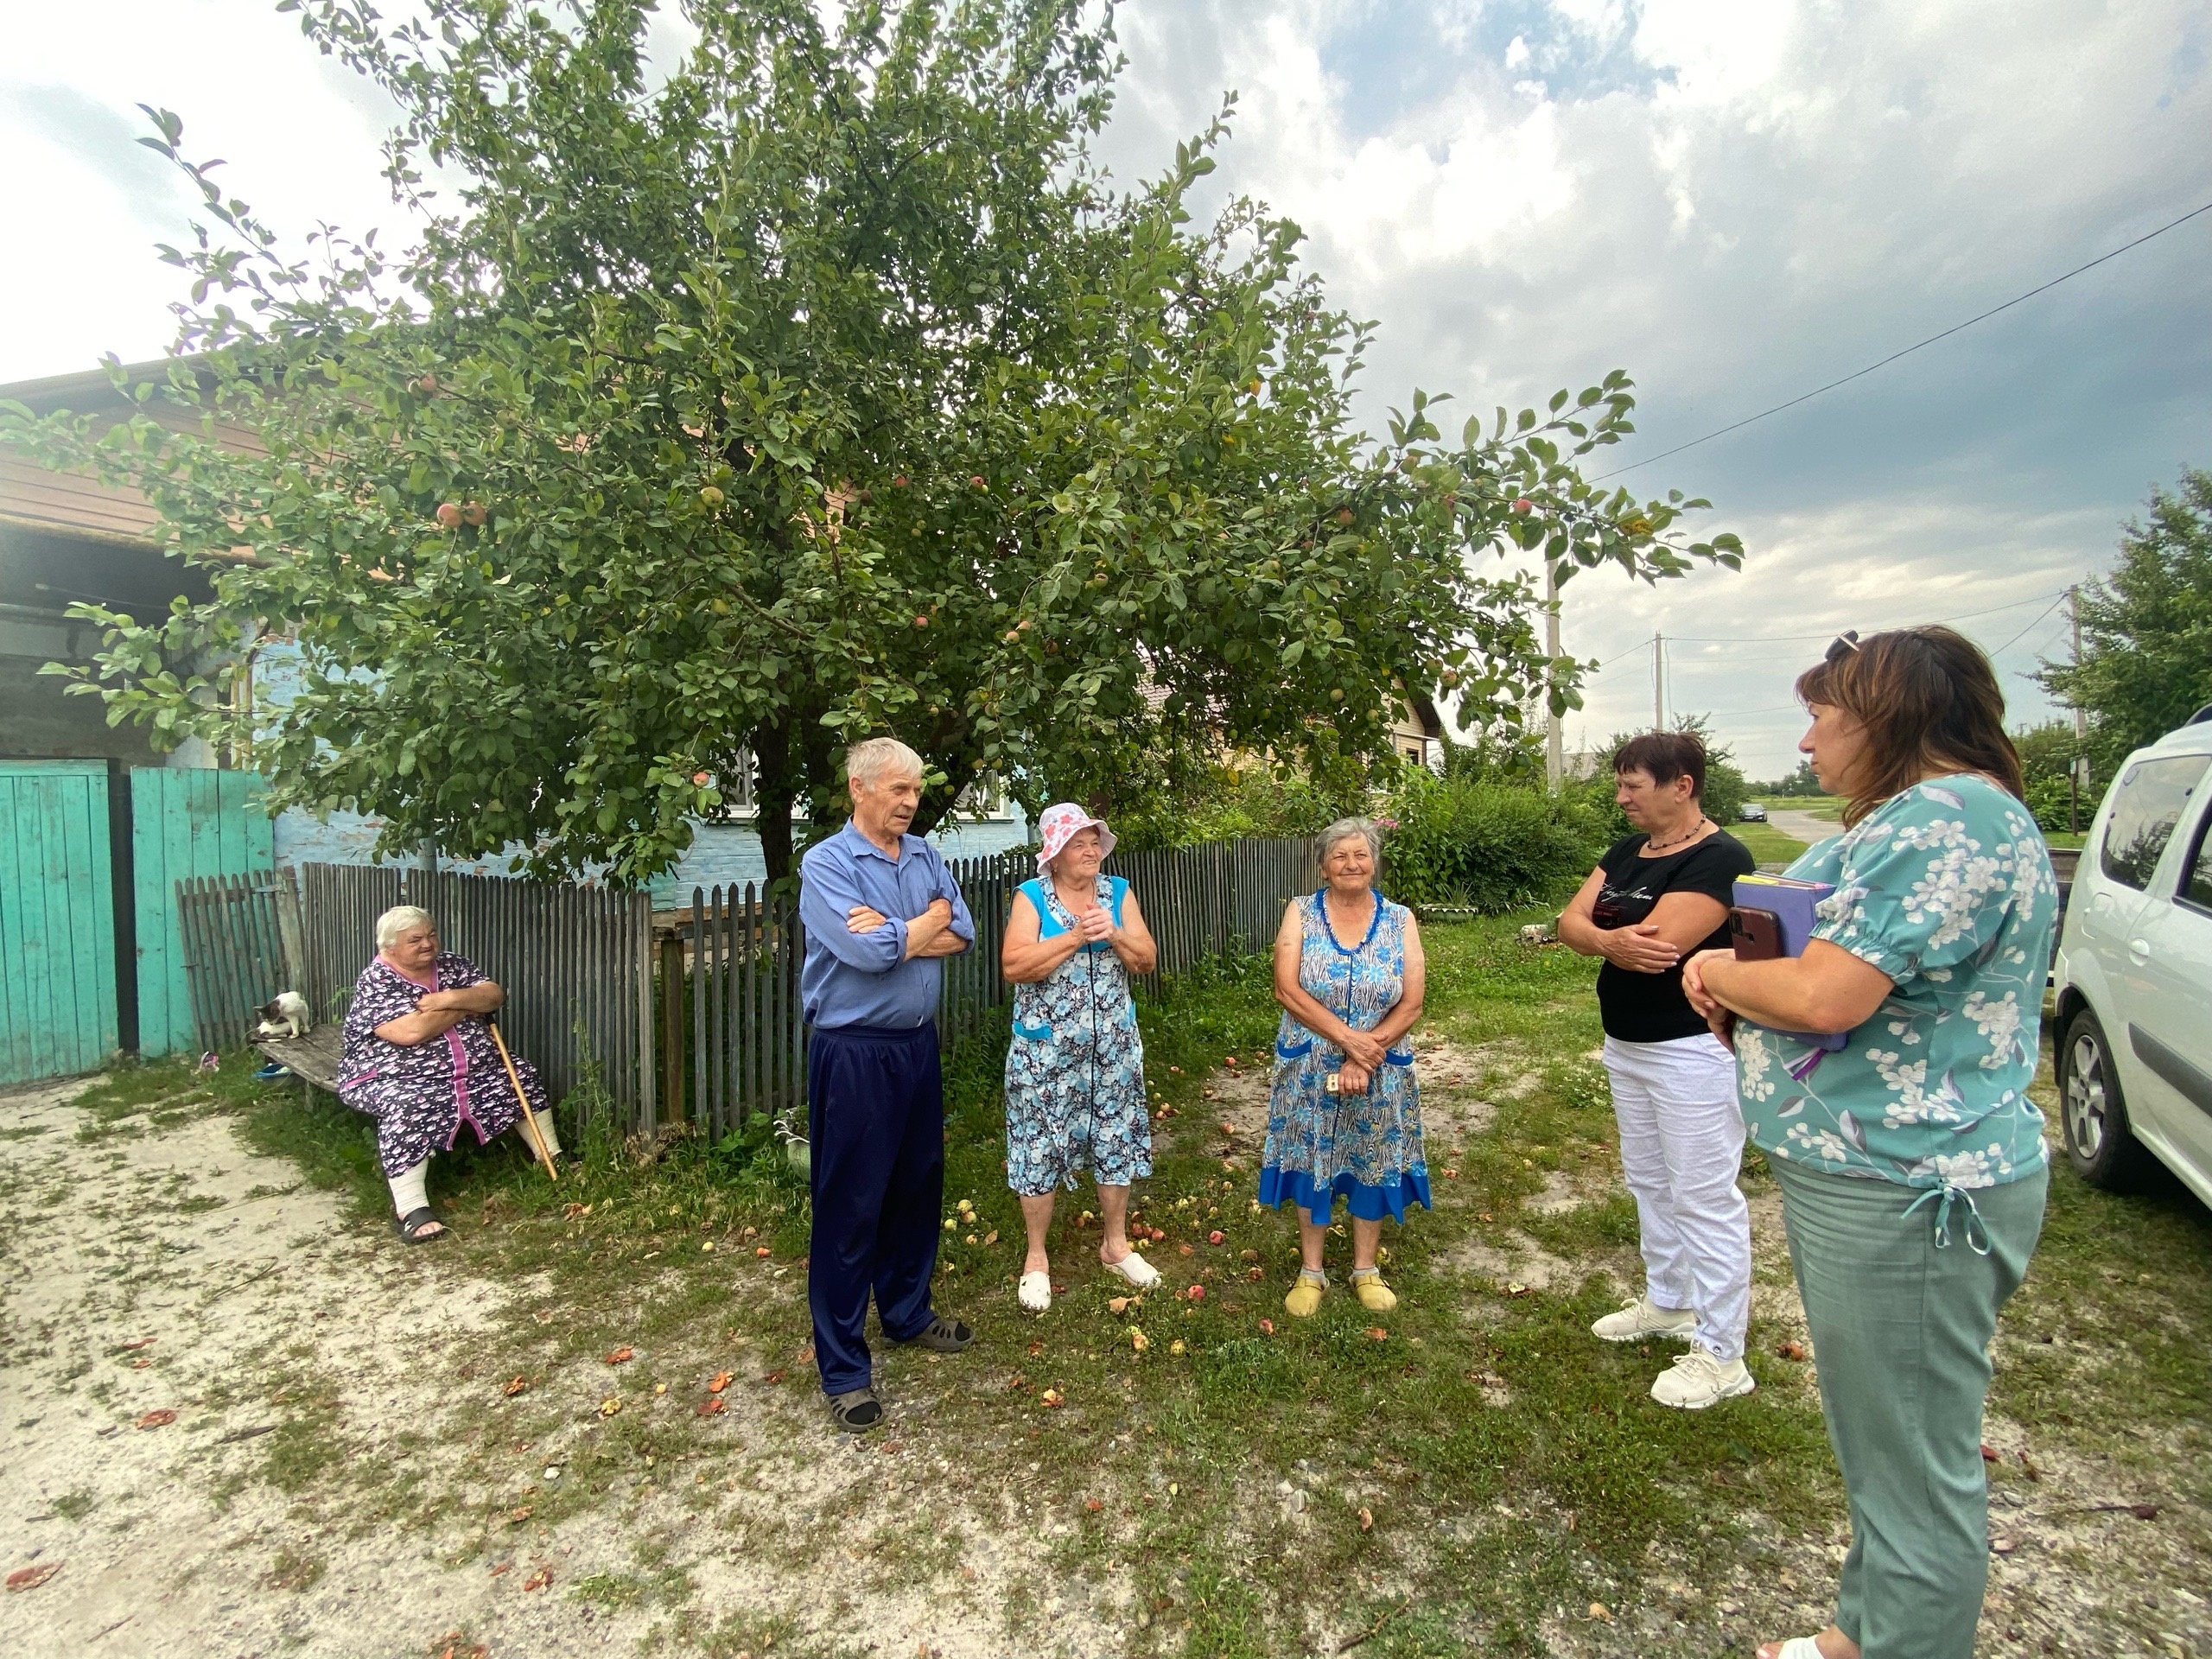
(420, 1059)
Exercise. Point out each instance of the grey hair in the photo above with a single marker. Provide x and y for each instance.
(867, 761)
(1344, 830)
(397, 920)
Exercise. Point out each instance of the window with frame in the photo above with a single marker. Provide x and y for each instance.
(2147, 803)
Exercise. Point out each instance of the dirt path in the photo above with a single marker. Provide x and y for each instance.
(1803, 825)
(159, 1266)
(169, 1272)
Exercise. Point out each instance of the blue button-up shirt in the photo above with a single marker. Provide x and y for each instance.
(866, 979)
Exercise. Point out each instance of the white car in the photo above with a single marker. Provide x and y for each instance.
(2134, 972)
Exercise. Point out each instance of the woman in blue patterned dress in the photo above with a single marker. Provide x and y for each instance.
(1075, 1095)
(1910, 1160)
(1343, 1116)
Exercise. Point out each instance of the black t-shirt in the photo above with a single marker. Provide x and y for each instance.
(1651, 1008)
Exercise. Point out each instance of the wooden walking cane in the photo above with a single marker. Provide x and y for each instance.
(536, 1136)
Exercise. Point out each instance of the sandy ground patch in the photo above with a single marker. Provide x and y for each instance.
(172, 1271)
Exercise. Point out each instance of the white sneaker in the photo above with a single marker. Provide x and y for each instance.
(1698, 1380)
(1641, 1319)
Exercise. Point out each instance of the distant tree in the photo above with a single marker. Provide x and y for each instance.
(818, 387)
(2047, 754)
(2146, 628)
(1803, 781)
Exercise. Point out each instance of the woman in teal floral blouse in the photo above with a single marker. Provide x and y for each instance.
(1910, 1160)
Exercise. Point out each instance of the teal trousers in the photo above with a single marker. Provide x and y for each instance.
(1901, 1293)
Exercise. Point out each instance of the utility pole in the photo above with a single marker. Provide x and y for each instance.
(2074, 774)
(1555, 745)
(1658, 683)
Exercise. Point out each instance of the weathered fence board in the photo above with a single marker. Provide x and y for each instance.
(233, 953)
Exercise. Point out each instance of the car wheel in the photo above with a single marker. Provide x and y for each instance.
(2093, 1115)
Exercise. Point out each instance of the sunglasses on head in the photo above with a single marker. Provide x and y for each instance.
(1844, 645)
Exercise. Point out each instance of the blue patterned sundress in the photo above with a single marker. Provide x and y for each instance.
(1321, 1147)
(1075, 1070)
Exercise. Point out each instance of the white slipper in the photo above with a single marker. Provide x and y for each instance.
(1134, 1269)
(1800, 1647)
(1035, 1292)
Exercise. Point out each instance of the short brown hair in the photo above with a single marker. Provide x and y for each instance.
(1666, 756)
(1930, 701)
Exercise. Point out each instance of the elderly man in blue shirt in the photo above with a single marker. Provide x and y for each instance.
(880, 909)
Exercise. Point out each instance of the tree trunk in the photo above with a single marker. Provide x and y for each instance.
(775, 789)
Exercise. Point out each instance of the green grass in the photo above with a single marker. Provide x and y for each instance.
(1766, 843)
(1830, 807)
(1483, 1461)
(1820, 806)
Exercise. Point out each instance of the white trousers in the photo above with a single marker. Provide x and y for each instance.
(1681, 1145)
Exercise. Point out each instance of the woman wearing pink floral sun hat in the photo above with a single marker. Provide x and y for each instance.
(1075, 1095)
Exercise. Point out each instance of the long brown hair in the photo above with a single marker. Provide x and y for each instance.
(1930, 702)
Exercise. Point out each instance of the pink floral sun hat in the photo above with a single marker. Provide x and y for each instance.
(1059, 824)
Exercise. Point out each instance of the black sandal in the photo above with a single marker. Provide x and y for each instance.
(942, 1336)
(411, 1226)
(856, 1411)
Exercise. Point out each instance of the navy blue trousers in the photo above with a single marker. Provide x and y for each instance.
(876, 1118)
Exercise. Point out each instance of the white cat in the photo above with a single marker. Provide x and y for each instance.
(285, 1017)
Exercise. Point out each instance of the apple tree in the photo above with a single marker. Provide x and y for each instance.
(814, 384)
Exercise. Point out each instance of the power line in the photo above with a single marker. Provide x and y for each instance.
(1859, 374)
(1828, 633)
(2023, 633)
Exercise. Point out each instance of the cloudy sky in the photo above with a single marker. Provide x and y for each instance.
(1735, 201)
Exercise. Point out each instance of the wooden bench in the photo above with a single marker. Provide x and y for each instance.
(312, 1059)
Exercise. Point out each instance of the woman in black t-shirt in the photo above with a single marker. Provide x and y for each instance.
(1656, 899)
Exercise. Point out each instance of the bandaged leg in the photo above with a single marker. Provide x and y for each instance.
(407, 1189)
(544, 1122)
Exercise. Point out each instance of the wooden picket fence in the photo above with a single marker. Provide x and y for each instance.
(581, 970)
(576, 963)
(742, 1050)
(235, 955)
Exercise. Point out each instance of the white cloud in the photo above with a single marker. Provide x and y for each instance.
(1738, 202)
(299, 133)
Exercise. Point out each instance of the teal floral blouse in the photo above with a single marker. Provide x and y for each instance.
(1948, 889)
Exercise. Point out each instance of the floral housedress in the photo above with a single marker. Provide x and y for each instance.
(1364, 1147)
(421, 1094)
(1075, 1070)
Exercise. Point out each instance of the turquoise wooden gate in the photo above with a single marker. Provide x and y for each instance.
(186, 821)
(57, 920)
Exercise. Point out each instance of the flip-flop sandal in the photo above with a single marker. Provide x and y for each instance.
(1134, 1269)
(856, 1411)
(411, 1226)
(1035, 1292)
(942, 1336)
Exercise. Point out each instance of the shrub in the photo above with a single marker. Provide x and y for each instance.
(1491, 846)
(1254, 801)
(2047, 753)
